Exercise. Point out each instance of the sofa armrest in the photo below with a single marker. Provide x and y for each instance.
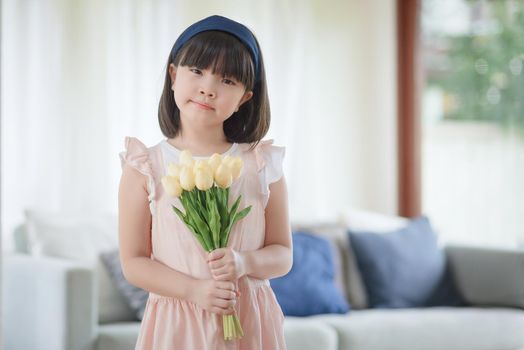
(488, 276)
(49, 303)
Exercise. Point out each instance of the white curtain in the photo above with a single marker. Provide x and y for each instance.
(78, 76)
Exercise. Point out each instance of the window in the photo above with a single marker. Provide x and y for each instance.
(473, 120)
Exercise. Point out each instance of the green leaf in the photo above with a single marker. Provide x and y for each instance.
(190, 224)
(242, 214)
(215, 223)
(232, 216)
(203, 200)
(223, 206)
(235, 207)
(179, 213)
(222, 210)
(207, 215)
(202, 205)
(236, 218)
(202, 226)
(212, 218)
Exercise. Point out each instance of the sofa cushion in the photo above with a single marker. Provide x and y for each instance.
(118, 336)
(357, 219)
(135, 297)
(300, 333)
(436, 328)
(80, 237)
(363, 220)
(309, 287)
(336, 235)
(489, 276)
(403, 268)
(308, 334)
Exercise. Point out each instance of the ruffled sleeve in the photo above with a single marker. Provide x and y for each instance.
(137, 156)
(269, 159)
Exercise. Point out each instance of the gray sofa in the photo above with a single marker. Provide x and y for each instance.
(53, 303)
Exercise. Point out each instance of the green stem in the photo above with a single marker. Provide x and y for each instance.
(199, 222)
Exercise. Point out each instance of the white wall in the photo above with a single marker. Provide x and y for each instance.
(79, 76)
(352, 67)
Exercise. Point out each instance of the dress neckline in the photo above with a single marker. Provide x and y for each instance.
(177, 151)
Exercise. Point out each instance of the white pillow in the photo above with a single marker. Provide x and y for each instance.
(363, 220)
(71, 235)
(82, 237)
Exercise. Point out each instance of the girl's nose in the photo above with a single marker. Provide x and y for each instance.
(208, 92)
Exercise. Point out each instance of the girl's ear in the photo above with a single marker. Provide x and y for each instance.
(247, 96)
(172, 74)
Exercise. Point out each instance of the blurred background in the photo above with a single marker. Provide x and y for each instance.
(78, 76)
(397, 108)
(472, 55)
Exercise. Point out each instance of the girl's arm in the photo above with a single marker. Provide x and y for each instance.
(276, 258)
(134, 230)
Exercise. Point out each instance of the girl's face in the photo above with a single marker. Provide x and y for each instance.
(204, 98)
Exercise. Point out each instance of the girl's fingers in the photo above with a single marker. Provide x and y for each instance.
(224, 304)
(213, 265)
(220, 271)
(226, 294)
(224, 277)
(226, 285)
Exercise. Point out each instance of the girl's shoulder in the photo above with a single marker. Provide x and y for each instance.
(144, 159)
(137, 154)
(265, 153)
(266, 159)
(263, 146)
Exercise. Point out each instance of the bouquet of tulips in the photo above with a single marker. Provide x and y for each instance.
(203, 189)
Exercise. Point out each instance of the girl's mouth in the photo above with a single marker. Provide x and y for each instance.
(202, 105)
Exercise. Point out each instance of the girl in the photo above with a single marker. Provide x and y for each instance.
(214, 101)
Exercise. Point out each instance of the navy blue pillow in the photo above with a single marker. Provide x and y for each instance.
(309, 288)
(447, 293)
(404, 268)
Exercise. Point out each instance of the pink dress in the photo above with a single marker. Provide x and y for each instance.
(171, 323)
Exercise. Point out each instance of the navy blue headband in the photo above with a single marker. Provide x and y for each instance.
(225, 25)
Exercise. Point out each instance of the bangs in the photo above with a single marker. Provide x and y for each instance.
(220, 52)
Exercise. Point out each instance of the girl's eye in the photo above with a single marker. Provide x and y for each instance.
(228, 81)
(196, 71)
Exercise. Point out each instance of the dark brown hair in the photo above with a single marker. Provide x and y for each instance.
(225, 55)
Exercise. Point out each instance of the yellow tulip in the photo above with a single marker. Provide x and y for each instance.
(203, 179)
(223, 176)
(174, 170)
(187, 178)
(171, 186)
(236, 167)
(227, 160)
(202, 164)
(215, 161)
(235, 164)
(186, 158)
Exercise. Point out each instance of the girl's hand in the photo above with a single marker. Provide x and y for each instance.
(215, 296)
(226, 264)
